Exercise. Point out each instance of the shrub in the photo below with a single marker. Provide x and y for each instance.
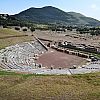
(4, 26)
(17, 28)
(24, 29)
(32, 29)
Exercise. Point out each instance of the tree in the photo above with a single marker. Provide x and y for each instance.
(32, 29)
(5, 26)
(24, 29)
(17, 28)
(92, 33)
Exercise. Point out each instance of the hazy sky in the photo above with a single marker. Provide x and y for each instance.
(89, 8)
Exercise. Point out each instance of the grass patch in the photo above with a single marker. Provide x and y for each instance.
(5, 42)
(92, 78)
(14, 86)
(8, 73)
(8, 32)
(97, 55)
(14, 40)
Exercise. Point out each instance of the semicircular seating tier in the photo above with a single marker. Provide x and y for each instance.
(21, 56)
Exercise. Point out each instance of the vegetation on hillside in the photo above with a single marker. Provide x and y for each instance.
(13, 21)
(52, 15)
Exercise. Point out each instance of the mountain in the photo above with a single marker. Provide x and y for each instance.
(52, 15)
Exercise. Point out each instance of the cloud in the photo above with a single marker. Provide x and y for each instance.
(94, 7)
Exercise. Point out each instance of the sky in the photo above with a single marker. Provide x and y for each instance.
(89, 8)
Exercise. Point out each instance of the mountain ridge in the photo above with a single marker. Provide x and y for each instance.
(51, 15)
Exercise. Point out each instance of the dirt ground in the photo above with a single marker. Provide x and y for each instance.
(70, 37)
(57, 59)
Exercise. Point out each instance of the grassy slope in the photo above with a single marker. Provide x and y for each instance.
(39, 87)
(8, 32)
(13, 40)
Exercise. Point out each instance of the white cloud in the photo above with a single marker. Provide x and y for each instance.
(94, 7)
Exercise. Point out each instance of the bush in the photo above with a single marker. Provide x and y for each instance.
(24, 29)
(17, 28)
(4, 26)
(32, 29)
